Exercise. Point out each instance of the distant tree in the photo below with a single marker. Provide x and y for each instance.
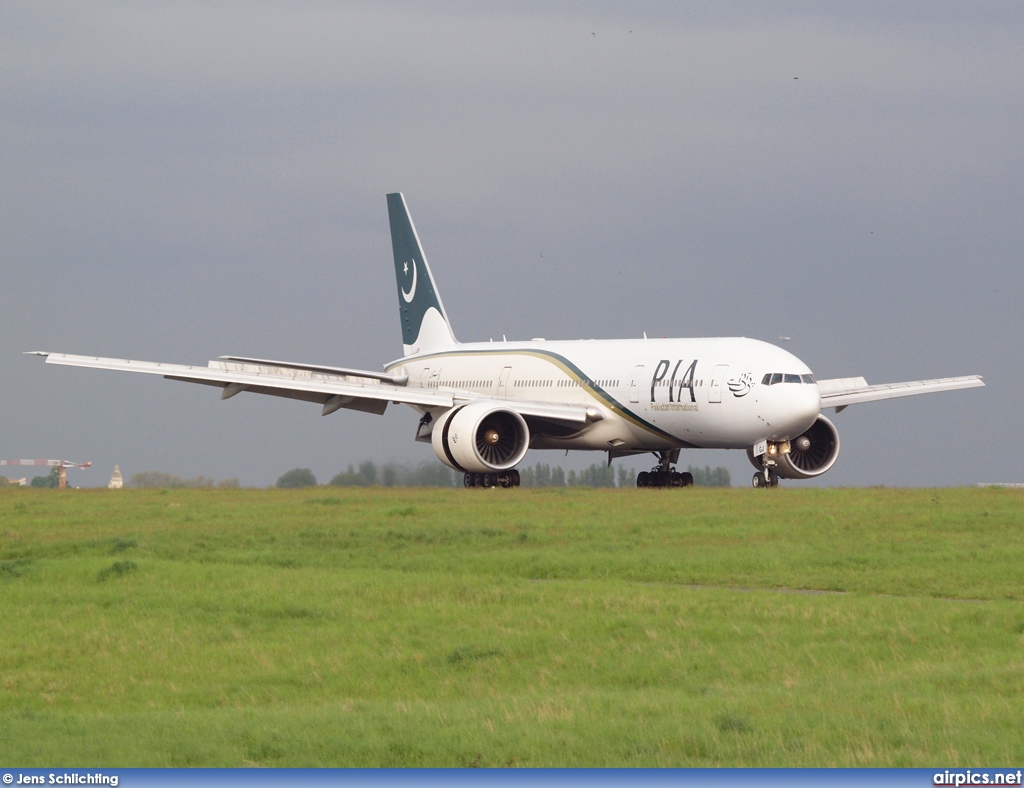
(229, 484)
(594, 476)
(155, 479)
(710, 477)
(168, 481)
(433, 474)
(720, 477)
(368, 471)
(427, 474)
(348, 478)
(366, 476)
(50, 480)
(295, 478)
(537, 476)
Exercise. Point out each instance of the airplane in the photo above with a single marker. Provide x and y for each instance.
(482, 405)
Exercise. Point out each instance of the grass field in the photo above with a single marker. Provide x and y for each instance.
(556, 627)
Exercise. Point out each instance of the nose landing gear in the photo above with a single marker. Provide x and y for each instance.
(663, 474)
(766, 456)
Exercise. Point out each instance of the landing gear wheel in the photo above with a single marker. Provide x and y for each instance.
(664, 474)
(758, 481)
(504, 479)
(765, 479)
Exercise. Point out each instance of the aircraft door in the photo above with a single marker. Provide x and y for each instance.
(503, 381)
(634, 384)
(715, 389)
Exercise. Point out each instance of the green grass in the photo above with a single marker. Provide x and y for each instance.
(389, 627)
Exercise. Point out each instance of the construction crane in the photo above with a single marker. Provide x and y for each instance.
(62, 464)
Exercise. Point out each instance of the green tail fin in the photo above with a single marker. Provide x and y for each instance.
(424, 322)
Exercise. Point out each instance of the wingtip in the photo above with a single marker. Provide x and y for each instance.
(43, 353)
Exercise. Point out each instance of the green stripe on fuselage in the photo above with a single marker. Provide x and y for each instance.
(572, 371)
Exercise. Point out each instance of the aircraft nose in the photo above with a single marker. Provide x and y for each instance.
(797, 411)
(808, 408)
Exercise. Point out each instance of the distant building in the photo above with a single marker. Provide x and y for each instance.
(116, 481)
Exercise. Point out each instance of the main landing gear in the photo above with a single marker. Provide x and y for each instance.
(504, 479)
(663, 474)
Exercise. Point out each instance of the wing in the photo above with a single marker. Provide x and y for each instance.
(332, 387)
(840, 393)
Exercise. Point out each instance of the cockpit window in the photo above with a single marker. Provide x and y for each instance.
(771, 378)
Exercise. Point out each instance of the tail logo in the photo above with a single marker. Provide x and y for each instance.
(412, 290)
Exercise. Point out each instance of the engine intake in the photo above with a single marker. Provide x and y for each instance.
(480, 438)
(810, 454)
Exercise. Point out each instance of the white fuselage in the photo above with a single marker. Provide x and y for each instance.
(649, 394)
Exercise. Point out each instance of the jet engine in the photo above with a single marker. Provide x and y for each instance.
(810, 454)
(480, 438)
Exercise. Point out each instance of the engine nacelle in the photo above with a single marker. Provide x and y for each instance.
(810, 454)
(480, 438)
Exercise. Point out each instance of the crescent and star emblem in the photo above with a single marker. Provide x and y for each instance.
(412, 290)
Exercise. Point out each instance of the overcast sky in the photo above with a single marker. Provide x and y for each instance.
(185, 180)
